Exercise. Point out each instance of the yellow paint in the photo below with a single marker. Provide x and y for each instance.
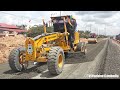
(41, 59)
(65, 31)
(77, 38)
(44, 26)
(37, 45)
(33, 55)
(41, 46)
(60, 61)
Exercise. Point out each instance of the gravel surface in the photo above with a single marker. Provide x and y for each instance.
(112, 62)
(75, 67)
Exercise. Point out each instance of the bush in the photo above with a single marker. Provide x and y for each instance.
(84, 34)
(35, 31)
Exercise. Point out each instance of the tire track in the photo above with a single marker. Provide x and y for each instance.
(72, 63)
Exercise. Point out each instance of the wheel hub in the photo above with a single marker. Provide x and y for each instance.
(60, 61)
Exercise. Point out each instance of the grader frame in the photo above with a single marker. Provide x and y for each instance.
(47, 47)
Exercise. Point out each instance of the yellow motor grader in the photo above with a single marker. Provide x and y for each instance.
(49, 47)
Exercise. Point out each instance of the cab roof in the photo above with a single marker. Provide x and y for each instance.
(60, 17)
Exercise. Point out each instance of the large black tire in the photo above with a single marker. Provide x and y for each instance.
(14, 58)
(53, 60)
(85, 49)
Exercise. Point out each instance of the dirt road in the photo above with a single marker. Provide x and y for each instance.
(76, 66)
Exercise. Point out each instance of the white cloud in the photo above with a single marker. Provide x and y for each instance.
(97, 19)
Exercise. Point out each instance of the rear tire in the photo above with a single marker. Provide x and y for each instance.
(79, 45)
(14, 60)
(56, 60)
(82, 46)
(85, 49)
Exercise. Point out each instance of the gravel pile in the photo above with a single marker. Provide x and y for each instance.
(7, 44)
(112, 63)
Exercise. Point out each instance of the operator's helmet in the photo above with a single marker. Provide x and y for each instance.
(72, 17)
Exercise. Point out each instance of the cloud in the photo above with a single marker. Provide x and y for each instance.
(92, 19)
(98, 19)
(105, 15)
(100, 14)
(107, 18)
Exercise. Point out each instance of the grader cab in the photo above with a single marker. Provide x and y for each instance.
(49, 47)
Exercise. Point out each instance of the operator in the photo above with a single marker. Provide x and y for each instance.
(72, 30)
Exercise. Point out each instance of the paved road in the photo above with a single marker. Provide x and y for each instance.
(76, 66)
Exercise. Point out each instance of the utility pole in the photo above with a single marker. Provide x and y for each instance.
(98, 31)
(90, 27)
(105, 30)
(60, 13)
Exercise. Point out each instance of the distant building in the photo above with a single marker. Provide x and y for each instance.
(10, 28)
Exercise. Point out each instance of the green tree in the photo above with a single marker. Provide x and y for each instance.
(37, 30)
(23, 27)
(84, 34)
(87, 32)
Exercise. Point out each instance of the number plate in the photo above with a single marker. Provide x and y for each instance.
(30, 49)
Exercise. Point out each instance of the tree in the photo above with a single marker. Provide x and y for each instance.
(35, 31)
(23, 27)
(84, 34)
(87, 32)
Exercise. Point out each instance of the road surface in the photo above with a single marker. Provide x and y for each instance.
(102, 58)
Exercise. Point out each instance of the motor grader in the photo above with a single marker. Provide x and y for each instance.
(52, 48)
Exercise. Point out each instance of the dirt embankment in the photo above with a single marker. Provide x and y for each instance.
(8, 43)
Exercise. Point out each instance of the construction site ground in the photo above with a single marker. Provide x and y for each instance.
(8, 43)
(101, 58)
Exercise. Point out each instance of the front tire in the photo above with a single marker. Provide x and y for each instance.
(56, 60)
(79, 45)
(15, 60)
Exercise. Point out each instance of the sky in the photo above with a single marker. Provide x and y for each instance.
(100, 22)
